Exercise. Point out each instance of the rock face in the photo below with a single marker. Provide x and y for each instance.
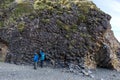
(71, 36)
(3, 50)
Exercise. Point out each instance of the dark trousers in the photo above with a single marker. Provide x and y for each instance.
(41, 63)
(35, 65)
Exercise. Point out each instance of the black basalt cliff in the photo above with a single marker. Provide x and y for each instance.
(69, 32)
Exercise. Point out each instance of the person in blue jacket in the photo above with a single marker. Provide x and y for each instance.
(42, 58)
(36, 59)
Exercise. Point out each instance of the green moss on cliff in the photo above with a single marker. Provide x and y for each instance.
(1, 24)
(5, 3)
(67, 27)
(67, 4)
(58, 6)
(45, 21)
(21, 26)
(22, 9)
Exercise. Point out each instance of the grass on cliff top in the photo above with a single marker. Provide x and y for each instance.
(14, 10)
(66, 4)
(22, 9)
(5, 3)
(25, 7)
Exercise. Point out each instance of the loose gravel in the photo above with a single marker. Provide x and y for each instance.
(21, 72)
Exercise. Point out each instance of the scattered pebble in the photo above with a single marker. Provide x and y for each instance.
(18, 72)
